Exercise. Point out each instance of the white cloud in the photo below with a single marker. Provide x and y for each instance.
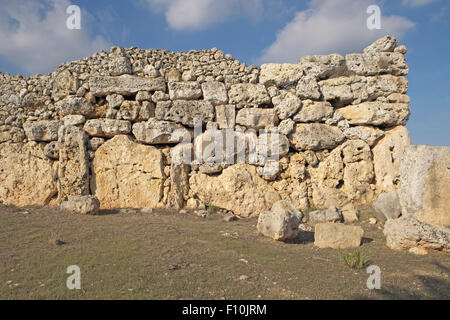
(330, 26)
(34, 36)
(200, 14)
(417, 3)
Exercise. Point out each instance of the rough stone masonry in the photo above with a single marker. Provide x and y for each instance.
(108, 126)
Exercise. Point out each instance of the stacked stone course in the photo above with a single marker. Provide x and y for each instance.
(106, 125)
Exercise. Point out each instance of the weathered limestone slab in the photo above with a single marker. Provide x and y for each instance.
(73, 170)
(345, 175)
(322, 66)
(314, 111)
(257, 118)
(179, 185)
(159, 132)
(215, 92)
(27, 177)
(239, 189)
(124, 85)
(373, 63)
(12, 134)
(74, 106)
(107, 128)
(44, 130)
(425, 184)
(386, 158)
(407, 232)
(387, 206)
(81, 205)
(376, 114)
(315, 136)
(185, 112)
(247, 93)
(127, 174)
(186, 90)
(286, 104)
(279, 74)
(279, 225)
(332, 214)
(337, 236)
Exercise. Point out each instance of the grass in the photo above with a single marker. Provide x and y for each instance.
(354, 259)
(213, 209)
(167, 255)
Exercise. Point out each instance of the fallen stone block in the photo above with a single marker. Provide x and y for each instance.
(337, 236)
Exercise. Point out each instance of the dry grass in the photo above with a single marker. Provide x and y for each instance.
(165, 255)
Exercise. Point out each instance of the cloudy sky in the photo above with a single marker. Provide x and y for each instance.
(34, 37)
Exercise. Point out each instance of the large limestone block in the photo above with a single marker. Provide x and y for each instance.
(73, 170)
(44, 130)
(376, 114)
(425, 184)
(215, 92)
(315, 136)
(179, 185)
(332, 214)
(279, 224)
(337, 236)
(366, 133)
(386, 157)
(120, 65)
(185, 112)
(124, 85)
(159, 132)
(239, 188)
(314, 111)
(286, 104)
(74, 106)
(387, 206)
(187, 90)
(107, 128)
(81, 205)
(257, 118)
(12, 134)
(27, 177)
(280, 74)
(373, 63)
(127, 174)
(308, 88)
(385, 44)
(407, 232)
(346, 175)
(323, 66)
(356, 89)
(247, 93)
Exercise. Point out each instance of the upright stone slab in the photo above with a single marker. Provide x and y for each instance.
(424, 184)
(73, 163)
(179, 185)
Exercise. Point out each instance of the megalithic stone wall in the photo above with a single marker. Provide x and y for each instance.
(341, 123)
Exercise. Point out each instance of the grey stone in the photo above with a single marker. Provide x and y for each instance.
(81, 205)
(387, 206)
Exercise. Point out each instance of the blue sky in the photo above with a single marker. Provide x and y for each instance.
(34, 38)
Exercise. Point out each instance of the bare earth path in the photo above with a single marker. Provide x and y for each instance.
(166, 255)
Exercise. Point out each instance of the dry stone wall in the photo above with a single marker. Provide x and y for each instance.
(113, 126)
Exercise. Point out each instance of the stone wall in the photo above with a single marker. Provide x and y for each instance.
(108, 126)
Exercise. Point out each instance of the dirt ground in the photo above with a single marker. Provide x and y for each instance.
(168, 255)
